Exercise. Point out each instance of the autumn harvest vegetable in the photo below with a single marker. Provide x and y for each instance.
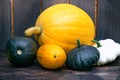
(51, 56)
(109, 51)
(83, 57)
(21, 51)
(63, 24)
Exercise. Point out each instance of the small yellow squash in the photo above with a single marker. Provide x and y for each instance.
(63, 24)
(51, 56)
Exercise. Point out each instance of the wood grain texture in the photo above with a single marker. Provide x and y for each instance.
(35, 72)
(47, 3)
(115, 19)
(88, 6)
(12, 16)
(104, 20)
(5, 28)
(96, 13)
(25, 14)
(109, 20)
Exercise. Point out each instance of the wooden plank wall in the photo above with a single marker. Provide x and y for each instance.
(106, 16)
(5, 28)
(108, 19)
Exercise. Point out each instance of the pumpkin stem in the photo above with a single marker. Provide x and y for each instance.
(32, 30)
(78, 44)
(97, 42)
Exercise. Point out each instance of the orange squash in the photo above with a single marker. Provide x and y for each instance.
(63, 24)
(51, 56)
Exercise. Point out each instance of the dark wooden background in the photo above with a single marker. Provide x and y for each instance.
(105, 14)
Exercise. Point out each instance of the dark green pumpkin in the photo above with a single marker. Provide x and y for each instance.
(83, 57)
(21, 51)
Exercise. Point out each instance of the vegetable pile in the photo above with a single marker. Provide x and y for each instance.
(56, 31)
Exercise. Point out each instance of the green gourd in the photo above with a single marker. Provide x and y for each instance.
(21, 51)
(83, 57)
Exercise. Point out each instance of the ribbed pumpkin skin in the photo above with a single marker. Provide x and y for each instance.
(82, 58)
(63, 24)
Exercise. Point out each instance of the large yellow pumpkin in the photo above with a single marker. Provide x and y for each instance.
(63, 24)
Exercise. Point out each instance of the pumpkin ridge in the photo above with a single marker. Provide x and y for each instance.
(79, 61)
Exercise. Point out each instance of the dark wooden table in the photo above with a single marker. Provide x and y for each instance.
(35, 72)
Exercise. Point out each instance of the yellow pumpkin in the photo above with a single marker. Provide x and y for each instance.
(63, 24)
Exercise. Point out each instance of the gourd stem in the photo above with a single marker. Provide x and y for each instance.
(97, 42)
(33, 30)
(78, 44)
